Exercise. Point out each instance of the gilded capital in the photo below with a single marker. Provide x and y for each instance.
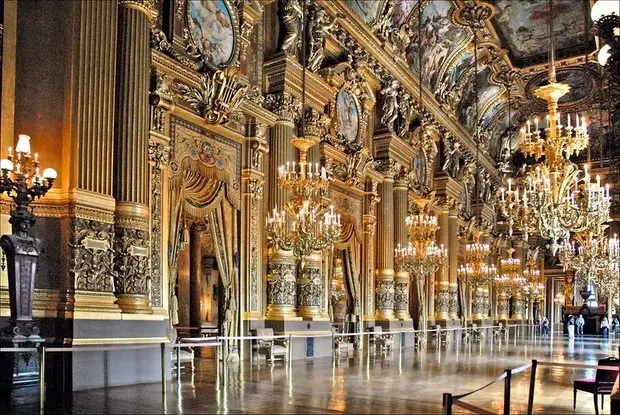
(145, 6)
(285, 106)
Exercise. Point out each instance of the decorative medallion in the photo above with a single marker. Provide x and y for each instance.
(583, 83)
(214, 27)
(348, 112)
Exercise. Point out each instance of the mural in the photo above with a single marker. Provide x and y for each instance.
(402, 10)
(367, 10)
(601, 137)
(348, 116)
(212, 30)
(582, 84)
(490, 114)
(522, 27)
(463, 60)
(440, 39)
(486, 92)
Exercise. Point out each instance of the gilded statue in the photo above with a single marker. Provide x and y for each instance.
(452, 158)
(390, 104)
(318, 26)
(407, 113)
(384, 25)
(292, 20)
(468, 179)
(484, 186)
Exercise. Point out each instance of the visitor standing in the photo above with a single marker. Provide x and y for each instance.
(580, 323)
(571, 326)
(605, 327)
(615, 326)
(544, 326)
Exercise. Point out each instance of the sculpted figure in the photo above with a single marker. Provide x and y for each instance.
(291, 19)
(407, 112)
(390, 104)
(469, 182)
(452, 162)
(318, 27)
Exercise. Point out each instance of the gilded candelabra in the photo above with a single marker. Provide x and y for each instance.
(476, 271)
(421, 256)
(23, 182)
(306, 224)
(595, 259)
(510, 278)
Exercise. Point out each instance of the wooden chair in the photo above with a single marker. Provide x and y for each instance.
(273, 348)
(383, 342)
(602, 383)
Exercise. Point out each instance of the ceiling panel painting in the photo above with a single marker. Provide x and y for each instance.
(440, 37)
(490, 114)
(460, 63)
(486, 92)
(582, 82)
(367, 10)
(402, 11)
(522, 26)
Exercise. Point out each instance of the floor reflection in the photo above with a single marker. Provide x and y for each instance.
(384, 383)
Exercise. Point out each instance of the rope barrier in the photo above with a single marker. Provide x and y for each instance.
(18, 350)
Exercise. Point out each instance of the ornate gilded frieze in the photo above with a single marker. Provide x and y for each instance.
(285, 106)
(353, 169)
(159, 155)
(131, 262)
(310, 289)
(401, 296)
(218, 96)
(479, 304)
(384, 295)
(91, 258)
(503, 305)
(281, 284)
(454, 303)
(256, 189)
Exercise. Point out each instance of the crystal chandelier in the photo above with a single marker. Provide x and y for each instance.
(476, 271)
(554, 198)
(594, 259)
(510, 278)
(307, 224)
(533, 286)
(421, 256)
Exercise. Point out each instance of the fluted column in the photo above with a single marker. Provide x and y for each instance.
(282, 266)
(131, 156)
(401, 277)
(384, 289)
(92, 149)
(453, 258)
(442, 276)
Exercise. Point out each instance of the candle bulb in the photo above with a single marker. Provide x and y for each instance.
(10, 150)
(536, 123)
(568, 120)
(36, 157)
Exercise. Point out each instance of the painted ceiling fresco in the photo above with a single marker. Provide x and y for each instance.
(582, 83)
(486, 93)
(522, 25)
(440, 39)
(367, 10)
(402, 11)
(459, 65)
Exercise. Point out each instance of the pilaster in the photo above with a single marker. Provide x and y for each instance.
(401, 278)
(131, 189)
(384, 291)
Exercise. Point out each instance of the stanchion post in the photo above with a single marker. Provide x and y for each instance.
(163, 370)
(333, 346)
(447, 404)
(530, 399)
(507, 392)
(42, 379)
(289, 350)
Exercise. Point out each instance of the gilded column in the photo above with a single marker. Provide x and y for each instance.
(518, 303)
(442, 276)
(384, 284)
(195, 275)
(91, 178)
(401, 277)
(368, 260)
(282, 268)
(310, 287)
(131, 187)
(453, 258)
(503, 305)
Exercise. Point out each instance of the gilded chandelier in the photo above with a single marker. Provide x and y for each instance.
(533, 285)
(476, 271)
(421, 256)
(510, 278)
(594, 259)
(306, 224)
(554, 198)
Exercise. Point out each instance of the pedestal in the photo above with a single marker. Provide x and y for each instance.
(19, 371)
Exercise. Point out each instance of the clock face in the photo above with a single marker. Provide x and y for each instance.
(348, 116)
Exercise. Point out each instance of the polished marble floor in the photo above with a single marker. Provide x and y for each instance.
(409, 383)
